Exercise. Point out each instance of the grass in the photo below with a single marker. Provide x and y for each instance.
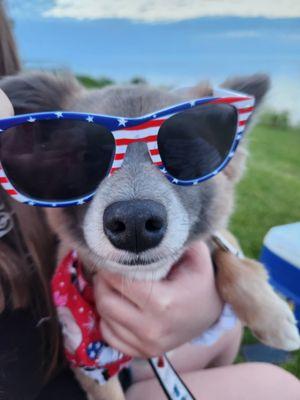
(268, 195)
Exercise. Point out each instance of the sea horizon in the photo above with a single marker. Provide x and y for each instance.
(172, 54)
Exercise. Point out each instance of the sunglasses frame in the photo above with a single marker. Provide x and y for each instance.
(130, 130)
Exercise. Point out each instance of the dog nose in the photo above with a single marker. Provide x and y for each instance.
(135, 225)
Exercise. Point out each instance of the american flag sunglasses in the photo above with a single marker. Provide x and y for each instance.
(58, 158)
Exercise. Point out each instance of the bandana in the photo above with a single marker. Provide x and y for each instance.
(83, 342)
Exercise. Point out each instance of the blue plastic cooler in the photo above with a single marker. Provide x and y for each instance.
(281, 256)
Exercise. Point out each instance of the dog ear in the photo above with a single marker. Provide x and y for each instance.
(255, 85)
(40, 91)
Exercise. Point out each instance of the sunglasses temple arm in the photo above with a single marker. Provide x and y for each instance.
(221, 92)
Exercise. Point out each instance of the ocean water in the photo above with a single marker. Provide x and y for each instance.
(172, 54)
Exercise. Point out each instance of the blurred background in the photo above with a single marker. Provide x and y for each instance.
(176, 43)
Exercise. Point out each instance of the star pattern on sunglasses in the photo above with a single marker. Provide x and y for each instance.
(130, 130)
(122, 121)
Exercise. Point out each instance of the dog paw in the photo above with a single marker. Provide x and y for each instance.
(244, 284)
(276, 325)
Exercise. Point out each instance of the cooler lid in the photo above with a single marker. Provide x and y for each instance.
(284, 241)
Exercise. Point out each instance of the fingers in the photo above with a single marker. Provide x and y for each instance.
(152, 299)
(132, 329)
(143, 293)
(148, 318)
(113, 339)
(138, 292)
(151, 344)
(112, 305)
(6, 108)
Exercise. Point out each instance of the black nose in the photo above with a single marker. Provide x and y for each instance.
(135, 225)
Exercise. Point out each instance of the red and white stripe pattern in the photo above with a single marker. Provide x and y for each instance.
(145, 132)
(9, 188)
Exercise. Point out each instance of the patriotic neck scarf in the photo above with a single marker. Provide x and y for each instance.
(83, 342)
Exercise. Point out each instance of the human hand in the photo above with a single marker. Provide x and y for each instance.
(146, 319)
(6, 108)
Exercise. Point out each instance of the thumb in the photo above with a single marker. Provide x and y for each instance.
(6, 108)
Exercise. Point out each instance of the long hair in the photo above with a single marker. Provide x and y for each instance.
(27, 249)
(9, 60)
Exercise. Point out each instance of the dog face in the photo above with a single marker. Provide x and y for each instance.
(138, 223)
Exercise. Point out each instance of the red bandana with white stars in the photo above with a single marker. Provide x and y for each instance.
(83, 342)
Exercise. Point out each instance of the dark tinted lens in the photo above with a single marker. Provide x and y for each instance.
(56, 160)
(195, 142)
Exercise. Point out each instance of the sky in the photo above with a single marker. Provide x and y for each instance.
(174, 42)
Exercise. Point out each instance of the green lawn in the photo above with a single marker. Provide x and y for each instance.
(269, 194)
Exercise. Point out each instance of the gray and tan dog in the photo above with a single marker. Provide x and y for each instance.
(187, 212)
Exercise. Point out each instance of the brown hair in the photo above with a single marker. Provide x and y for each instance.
(27, 250)
(9, 60)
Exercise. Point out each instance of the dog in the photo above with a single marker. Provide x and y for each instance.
(193, 212)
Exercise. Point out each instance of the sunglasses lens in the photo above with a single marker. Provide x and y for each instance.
(194, 143)
(56, 160)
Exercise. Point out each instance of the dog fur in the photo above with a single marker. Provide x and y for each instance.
(193, 212)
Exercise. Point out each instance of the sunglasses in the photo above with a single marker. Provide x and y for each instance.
(59, 158)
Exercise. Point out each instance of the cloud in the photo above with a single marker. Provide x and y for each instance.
(171, 10)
